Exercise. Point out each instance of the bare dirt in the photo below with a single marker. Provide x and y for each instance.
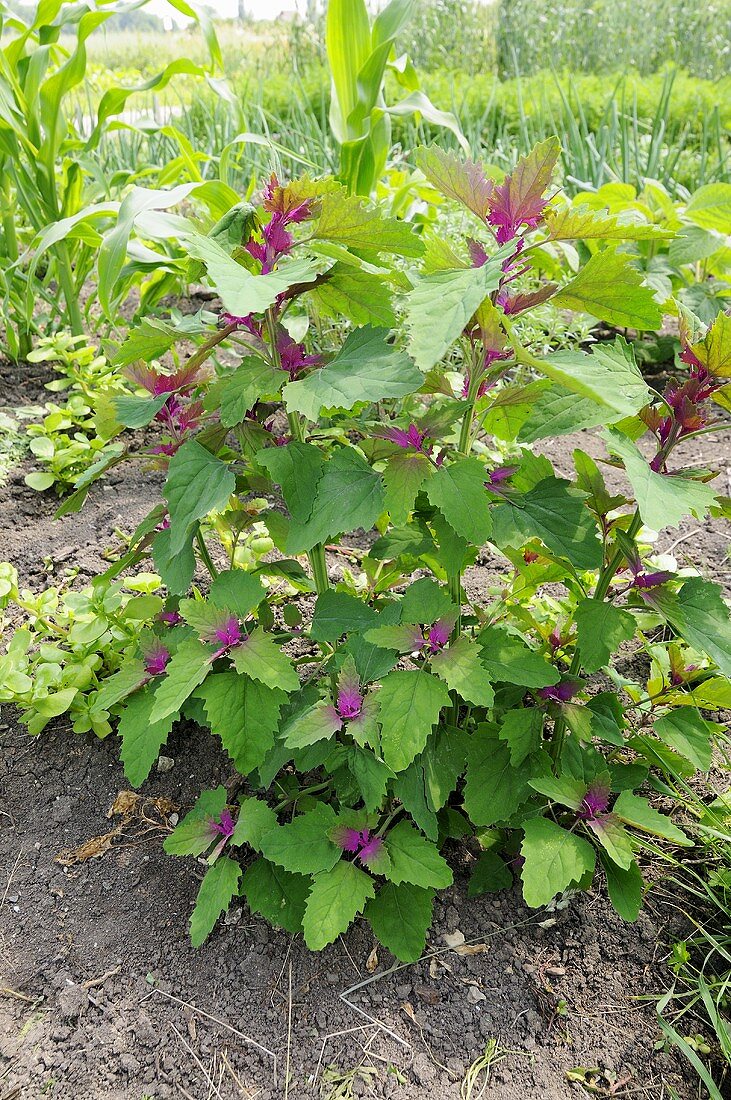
(101, 995)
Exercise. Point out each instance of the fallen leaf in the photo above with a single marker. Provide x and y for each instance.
(372, 961)
(90, 849)
(454, 939)
(125, 804)
(471, 949)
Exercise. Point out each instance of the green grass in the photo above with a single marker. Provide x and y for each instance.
(695, 1013)
(670, 127)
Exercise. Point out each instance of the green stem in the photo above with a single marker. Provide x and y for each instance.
(314, 789)
(205, 556)
(465, 446)
(66, 279)
(207, 347)
(315, 556)
(606, 577)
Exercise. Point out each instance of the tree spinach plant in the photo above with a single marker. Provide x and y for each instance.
(378, 713)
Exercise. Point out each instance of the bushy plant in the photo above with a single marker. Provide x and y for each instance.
(378, 713)
(69, 643)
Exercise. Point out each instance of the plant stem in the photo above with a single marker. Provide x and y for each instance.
(205, 556)
(315, 556)
(66, 279)
(606, 577)
(204, 350)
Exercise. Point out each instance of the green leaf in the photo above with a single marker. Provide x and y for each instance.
(699, 614)
(425, 601)
(315, 724)
(601, 630)
(136, 412)
(303, 845)
(522, 729)
(609, 376)
(663, 499)
(352, 221)
(235, 393)
(255, 818)
(141, 738)
(714, 350)
(39, 481)
(403, 639)
(614, 839)
(581, 223)
(658, 755)
(403, 477)
(244, 714)
(555, 411)
(193, 835)
(638, 813)
(220, 884)
(337, 613)
(187, 668)
(443, 762)
(624, 886)
(693, 244)
(607, 717)
(260, 657)
(458, 491)
(241, 292)
(610, 287)
(278, 895)
(176, 569)
(400, 917)
(236, 591)
(153, 337)
(361, 296)
(366, 369)
(555, 512)
(441, 305)
(336, 898)
(509, 659)
(203, 617)
(494, 788)
(128, 678)
(410, 703)
(349, 495)
(460, 667)
(297, 468)
(591, 481)
(685, 731)
(371, 775)
(415, 859)
(490, 875)
(554, 860)
(197, 482)
(456, 178)
(710, 207)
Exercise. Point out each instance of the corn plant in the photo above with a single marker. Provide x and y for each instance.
(52, 201)
(359, 55)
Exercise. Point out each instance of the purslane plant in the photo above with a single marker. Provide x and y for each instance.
(394, 714)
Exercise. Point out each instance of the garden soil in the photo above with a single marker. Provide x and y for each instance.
(103, 998)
